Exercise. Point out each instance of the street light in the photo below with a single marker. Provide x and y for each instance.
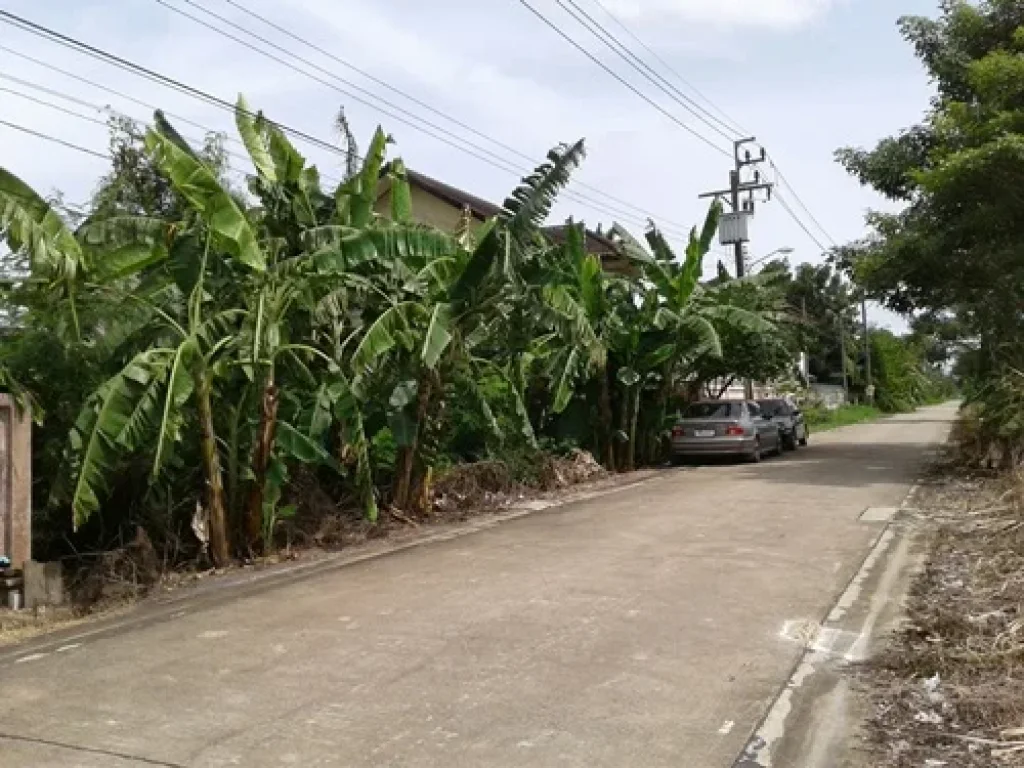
(783, 251)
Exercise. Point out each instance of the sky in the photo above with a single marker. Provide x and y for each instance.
(804, 76)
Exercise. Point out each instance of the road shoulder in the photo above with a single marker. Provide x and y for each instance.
(816, 720)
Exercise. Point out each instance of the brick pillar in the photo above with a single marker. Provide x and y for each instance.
(15, 482)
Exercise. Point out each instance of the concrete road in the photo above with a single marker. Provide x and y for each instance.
(639, 629)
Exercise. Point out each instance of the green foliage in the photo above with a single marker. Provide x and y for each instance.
(29, 223)
(823, 419)
(529, 204)
(199, 185)
(953, 254)
(224, 340)
(900, 379)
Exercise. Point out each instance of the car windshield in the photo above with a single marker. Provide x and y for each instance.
(773, 408)
(713, 411)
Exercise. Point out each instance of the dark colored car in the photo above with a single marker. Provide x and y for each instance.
(790, 420)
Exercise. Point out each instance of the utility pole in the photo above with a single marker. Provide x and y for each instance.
(806, 371)
(842, 352)
(869, 388)
(734, 228)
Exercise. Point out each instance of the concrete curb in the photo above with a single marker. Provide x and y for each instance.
(191, 600)
(771, 728)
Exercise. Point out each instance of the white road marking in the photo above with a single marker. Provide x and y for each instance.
(852, 592)
(727, 726)
(880, 599)
(70, 647)
(30, 657)
(212, 634)
(878, 514)
(774, 726)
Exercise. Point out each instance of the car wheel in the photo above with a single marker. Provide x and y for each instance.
(679, 460)
(789, 441)
(754, 457)
(803, 440)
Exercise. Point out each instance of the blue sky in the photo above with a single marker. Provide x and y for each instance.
(805, 76)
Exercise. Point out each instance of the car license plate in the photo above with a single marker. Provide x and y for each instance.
(704, 433)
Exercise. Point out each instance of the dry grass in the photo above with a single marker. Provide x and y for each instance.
(949, 691)
(468, 487)
(462, 492)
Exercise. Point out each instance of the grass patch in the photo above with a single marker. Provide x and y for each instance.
(822, 419)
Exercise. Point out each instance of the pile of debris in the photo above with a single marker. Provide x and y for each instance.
(466, 488)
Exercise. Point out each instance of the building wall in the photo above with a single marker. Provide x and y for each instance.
(427, 209)
(831, 396)
(434, 211)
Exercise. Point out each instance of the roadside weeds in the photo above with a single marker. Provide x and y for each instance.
(948, 690)
(821, 420)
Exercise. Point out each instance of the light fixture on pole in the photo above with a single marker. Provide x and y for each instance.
(783, 251)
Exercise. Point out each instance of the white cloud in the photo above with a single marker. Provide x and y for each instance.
(779, 14)
(496, 68)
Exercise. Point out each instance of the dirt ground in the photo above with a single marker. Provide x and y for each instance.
(949, 689)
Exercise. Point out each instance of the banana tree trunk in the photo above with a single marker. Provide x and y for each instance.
(633, 400)
(607, 420)
(623, 444)
(401, 495)
(262, 451)
(656, 443)
(220, 547)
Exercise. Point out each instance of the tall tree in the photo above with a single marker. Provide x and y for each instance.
(958, 243)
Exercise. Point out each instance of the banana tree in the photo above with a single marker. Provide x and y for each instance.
(61, 259)
(311, 240)
(143, 406)
(444, 299)
(584, 303)
(436, 321)
(529, 314)
(330, 252)
(671, 328)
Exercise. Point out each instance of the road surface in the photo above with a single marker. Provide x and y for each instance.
(641, 628)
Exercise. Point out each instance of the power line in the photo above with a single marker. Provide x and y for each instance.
(799, 221)
(442, 135)
(455, 121)
(120, 94)
(800, 202)
(137, 69)
(50, 104)
(622, 80)
(445, 135)
(54, 139)
(384, 84)
(726, 121)
(97, 108)
(595, 28)
(602, 34)
(193, 92)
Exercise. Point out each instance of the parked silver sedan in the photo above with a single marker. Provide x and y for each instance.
(725, 428)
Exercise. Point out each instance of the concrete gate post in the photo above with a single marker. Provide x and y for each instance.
(15, 481)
